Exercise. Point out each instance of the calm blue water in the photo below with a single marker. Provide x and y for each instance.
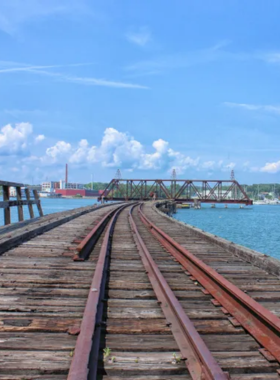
(49, 206)
(256, 227)
(56, 205)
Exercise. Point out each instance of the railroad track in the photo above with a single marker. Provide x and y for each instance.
(17, 233)
(43, 294)
(156, 312)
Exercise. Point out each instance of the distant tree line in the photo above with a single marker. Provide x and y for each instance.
(255, 190)
(96, 185)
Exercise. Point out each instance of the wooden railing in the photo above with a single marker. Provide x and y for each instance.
(7, 203)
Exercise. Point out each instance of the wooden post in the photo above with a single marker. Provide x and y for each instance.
(7, 210)
(30, 208)
(20, 208)
(36, 196)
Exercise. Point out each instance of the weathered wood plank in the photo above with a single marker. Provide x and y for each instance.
(37, 341)
(7, 211)
(35, 361)
(20, 209)
(18, 203)
(36, 196)
(11, 184)
(152, 342)
(26, 376)
(144, 326)
(37, 324)
(30, 207)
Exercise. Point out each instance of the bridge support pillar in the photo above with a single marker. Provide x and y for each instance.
(168, 207)
(197, 204)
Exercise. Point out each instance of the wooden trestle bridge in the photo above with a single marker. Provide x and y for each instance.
(179, 190)
(121, 291)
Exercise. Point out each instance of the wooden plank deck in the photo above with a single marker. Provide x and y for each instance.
(257, 282)
(42, 298)
(43, 293)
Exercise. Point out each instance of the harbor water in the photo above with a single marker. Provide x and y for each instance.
(51, 205)
(255, 227)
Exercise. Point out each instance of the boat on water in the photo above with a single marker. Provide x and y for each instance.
(185, 205)
(49, 194)
(267, 202)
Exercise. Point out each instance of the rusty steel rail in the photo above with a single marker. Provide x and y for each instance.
(86, 245)
(199, 360)
(85, 360)
(263, 325)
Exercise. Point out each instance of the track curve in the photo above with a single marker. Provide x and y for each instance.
(156, 320)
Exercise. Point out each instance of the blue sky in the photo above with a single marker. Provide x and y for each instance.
(144, 86)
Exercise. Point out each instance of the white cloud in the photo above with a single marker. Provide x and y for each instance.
(60, 149)
(15, 170)
(180, 161)
(161, 146)
(179, 60)
(15, 13)
(119, 149)
(7, 67)
(229, 166)
(80, 154)
(21, 113)
(158, 159)
(141, 38)
(208, 165)
(116, 150)
(14, 140)
(271, 167)
(214, 53)
(271, 57)
(254, 107)
(13, 67)
(99, 82)
(39, 138)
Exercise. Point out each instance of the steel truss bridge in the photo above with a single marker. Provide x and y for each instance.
(179, 190)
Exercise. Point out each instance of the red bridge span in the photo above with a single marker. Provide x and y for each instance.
(179, 190)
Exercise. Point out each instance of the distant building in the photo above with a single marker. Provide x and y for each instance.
(81, 192)
(34, 187)
(50, 186)
(70, 185)
(13, 192)
(67, 189)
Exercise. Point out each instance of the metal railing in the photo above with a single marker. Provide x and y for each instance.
(29, 201)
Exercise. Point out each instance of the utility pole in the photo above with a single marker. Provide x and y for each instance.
(232, 177)
(173, 183)
(118, 174)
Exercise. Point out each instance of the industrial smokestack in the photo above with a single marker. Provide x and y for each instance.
(66, 174)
